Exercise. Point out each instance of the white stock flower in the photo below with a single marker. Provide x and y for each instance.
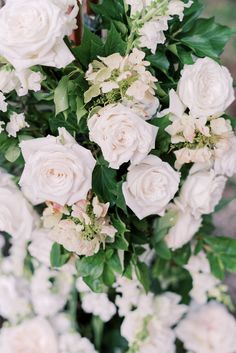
(3, 104)
(31, 336)
(49, 297)
(203, 281)
(208, 329)
(152, 33)
(150, 186)
(40, 246)
(8, 80)
(28, 81)
(56, 169)
(16, 215)
(72, 342)
(98, 304)
(122, 135)
(202, 191)
(16, 123)
(38, 27)
(185, 227)
(176, 7)
(14, 299)
(206, 88)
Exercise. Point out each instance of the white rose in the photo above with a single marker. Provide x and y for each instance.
(3, 104)
(32, 336)
(70, 8)
(16, 215)
(206, 88)
(208, 329)
(122, 135)
(202, 192)
(56, 169)
(225, 164)
(32, 33)
(16, 123)
(150, 186)
(185, 228)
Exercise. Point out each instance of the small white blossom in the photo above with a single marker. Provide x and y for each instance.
(16, 123)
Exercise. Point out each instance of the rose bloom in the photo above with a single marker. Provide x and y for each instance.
(16, 215)
(208, 329)
(150, 186)
(225, 163)
(32, 33)
(56, 169)
(206, 88)
(122, 135)
(202, 191)
(32, 336)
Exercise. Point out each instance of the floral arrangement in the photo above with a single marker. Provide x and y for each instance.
(114, 156)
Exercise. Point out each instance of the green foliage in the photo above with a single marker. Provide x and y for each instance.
(206, 38)
(59, 256)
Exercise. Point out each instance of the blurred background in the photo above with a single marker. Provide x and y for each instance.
(225, 221)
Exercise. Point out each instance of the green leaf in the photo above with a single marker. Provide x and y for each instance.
(142, 273)
(190, 15)
(95, 284)
(12, 153)
(58, 256)
(91, 265)
(163, 139)
(59, 121)
(120, 201)
(182, 256)
(217, 266)
(162, 250)
(160, 61)
(104, 183)
(112, 11)
(114, 42)
(80, 109)
(115, 264)
(87, 51)
(61, 96)
(163, 224)
(206, 38)
(108, 276)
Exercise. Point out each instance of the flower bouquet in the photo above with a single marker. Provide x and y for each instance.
(114, 156)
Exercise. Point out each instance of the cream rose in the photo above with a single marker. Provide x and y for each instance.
(185, 228)
(206, 88)
(32, 33)
(202, 192)
(56, 169)
(208, 329)
(16, 215)
(32, 336)
(150, 186)
(122, 135)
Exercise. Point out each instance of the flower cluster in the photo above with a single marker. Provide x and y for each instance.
(81, 228)
(121, 147)
(150, 20)
(126, 79)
